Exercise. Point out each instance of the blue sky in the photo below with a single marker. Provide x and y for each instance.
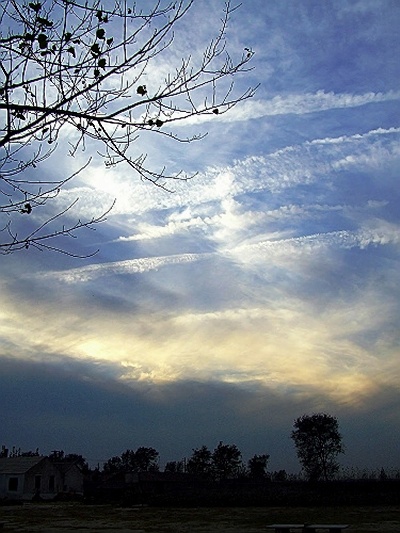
(265, 288)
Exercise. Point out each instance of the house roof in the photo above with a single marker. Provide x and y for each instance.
(18, 465)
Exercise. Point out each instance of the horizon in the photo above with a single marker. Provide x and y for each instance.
(344, 472)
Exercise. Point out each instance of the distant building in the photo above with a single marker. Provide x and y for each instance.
(26, 478)
(71, 476)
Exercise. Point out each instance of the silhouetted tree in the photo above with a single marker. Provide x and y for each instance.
(59, 456)
(175, 466)
(382, 475)
(279, 475)
(145, 460)
(200, 462)
(128, 461)
(77, 459)
(3, 452)
(142, 460)
(17, 452)
(257, 466)
(113, 465)
(84, 73)
(318, 442)
(226, 461)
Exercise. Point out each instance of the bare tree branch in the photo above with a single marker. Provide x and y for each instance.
(67, 64)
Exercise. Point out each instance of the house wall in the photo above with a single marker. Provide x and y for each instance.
(11, 486)
(44, 480)
(73, 480)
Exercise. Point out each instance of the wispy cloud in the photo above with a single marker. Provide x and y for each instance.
(149, 231)
(314, 161)
(131, 266)
(355, 137)
(299, 104)
(379, 235)
(384, 234)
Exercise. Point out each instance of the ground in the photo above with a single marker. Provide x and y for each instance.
(79, 518)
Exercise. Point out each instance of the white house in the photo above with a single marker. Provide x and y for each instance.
(22, 478)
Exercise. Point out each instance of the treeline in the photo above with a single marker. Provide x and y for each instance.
(316, 437)
(224, 462)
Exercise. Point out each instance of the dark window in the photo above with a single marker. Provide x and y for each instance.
(13, 483)
(38, 480)
(51, 483)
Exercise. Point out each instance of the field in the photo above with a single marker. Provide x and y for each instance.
(79, 518)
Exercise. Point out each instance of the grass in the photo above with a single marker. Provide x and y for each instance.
(78, 518)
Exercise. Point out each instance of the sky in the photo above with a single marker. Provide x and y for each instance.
(265, 288)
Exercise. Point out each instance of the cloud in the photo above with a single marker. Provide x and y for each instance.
(339, 343)
(256, 419)
(298, 104)
(358, 6)
(357, 136)
(382, 234)
(149, 231)
(214, 204)
(375, 233)
(130, 266)
(137, 414)
(316, 161)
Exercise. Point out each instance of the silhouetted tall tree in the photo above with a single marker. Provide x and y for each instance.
(318, 442)
(258, 466)
(226, 461)
(145, 460)
(200, 462)
(142, 460)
